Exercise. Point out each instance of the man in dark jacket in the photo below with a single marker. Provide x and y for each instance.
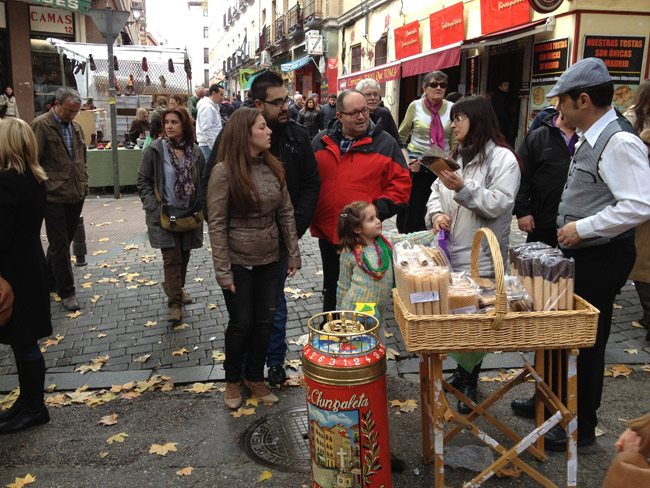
(62, 154)
(546, 153)
(290, 143)
(357, 160)
(296, 106)
(329, 110)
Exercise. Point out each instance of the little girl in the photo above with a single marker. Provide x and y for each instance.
(366, 271)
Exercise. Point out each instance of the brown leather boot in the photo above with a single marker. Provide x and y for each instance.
(233, 395)
(259, 390)
(186, 298)
(176, 313)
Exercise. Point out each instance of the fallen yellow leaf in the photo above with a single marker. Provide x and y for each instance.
(211, 306)
(87, 276)
(131, 247)
(20, 482)
(180, 352)
(142, 359)
(95, 298)
(88, 284)
(266, 475)
(97, 253)
(631, 351)
(117, 437)
(74, 315)
(637, 325)
(185, 471)
(198, 280)
(388, 335)
(617, 306)
(181, 326)
(621, 370)
(200, 387)
(101, 335)
(293, 363)
(598, 432)
(218, 356)
(163, 449)
(108, 419)
(150, 323)
(391, 353)
(253, 401)
(103, 454)
(104, 239)
(405, 406)
(243, 411)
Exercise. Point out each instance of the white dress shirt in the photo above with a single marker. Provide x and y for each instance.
(208, 122)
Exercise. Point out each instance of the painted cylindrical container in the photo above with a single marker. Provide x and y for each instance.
(344, 364)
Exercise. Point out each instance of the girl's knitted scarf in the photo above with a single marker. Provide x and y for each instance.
(183, 184)
(384, 253)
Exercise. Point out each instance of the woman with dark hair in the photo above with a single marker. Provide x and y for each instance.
(248, 207)
(22, 264)
(170, 172)
(480, 194)
(428, 124)
(639, 112)
(311, 117)
(8, 105)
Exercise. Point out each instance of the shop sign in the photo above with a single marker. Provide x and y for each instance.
(332, 63)
(51, 20)
(545, 6)
(407, 40)
(550, 60)
(497, 15)
(244, 76)
(447, 26)
(623, 56)
(472, 75)
(76, 5)
(381, 75)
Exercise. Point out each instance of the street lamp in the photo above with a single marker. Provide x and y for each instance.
(136, 11)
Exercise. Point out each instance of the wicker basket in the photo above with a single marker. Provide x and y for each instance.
(503, 331)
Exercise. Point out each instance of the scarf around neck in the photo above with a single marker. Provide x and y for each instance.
(437, 130)
(183, 184)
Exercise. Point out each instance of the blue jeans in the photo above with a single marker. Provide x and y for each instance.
(206, 152)
(277, 341)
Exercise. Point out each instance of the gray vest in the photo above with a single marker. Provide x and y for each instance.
(585, 193)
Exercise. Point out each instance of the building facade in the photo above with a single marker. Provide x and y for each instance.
(198, 41)
(30, 64)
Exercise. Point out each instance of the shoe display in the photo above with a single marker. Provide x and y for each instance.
(259, 390)
(71, 303)
(145, 65)
(116, 66)
(524, 407)
(170, 65)
(277, 375)
(163, 81)
(233, 395)
(100, 145)
(93, 142)
(176, 313)
(555, 439)
(120, 144)
(108, 146)
(93, 66)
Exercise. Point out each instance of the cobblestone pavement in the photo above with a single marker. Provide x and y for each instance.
(124, 312)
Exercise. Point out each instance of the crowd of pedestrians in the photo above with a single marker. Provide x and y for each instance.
(263, 171)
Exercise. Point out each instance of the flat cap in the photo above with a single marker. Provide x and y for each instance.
(583, 74)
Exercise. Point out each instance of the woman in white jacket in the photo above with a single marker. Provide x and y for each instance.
(480, 194)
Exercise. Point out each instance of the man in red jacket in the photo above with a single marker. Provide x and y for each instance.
(357, 160)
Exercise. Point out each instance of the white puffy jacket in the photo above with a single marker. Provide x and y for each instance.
(485, 200)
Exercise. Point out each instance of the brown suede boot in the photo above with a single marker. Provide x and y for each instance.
(233, 395)
(175, 313)
(186, 298)
(259, 390)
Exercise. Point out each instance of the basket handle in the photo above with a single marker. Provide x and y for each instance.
(501, 306)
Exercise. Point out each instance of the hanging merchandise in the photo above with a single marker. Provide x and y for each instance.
(129, 86)
(145, 65)
(115, 65)
(117, 88)
(93, 67)
(163, 81)
(147, 80)
(170, 65)
(187, 65)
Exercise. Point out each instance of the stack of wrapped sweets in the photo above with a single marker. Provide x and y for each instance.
(422, 278)
(546, 274)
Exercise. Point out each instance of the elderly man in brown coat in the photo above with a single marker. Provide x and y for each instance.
(62, 154)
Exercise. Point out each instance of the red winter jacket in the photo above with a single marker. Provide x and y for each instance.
(373, 169)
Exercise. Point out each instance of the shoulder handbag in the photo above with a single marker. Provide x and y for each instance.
(6, 301)
(190, 219)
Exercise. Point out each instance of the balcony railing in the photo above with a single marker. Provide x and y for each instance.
(312, 13)
(266, 37)
(230, 16)
(280, 28)
(294, 20)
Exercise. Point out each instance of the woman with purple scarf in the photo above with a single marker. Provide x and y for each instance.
(427, 122)
(172, 166)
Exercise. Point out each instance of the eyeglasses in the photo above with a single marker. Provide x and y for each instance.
(459, 118)
(279, 102)
(436, 84)
(71, 112)
(356, 113)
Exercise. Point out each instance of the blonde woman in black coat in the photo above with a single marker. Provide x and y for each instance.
(22, 264)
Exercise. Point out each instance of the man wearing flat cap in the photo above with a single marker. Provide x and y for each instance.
(604, 199)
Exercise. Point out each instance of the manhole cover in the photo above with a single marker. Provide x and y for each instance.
(280, 441)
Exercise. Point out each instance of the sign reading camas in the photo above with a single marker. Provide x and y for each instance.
(52, 20)
(447, 26)
(497, 15)
(407, 40)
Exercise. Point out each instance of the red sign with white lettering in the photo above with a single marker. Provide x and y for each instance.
(447, 26)
(497, 15)
(407, 40)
